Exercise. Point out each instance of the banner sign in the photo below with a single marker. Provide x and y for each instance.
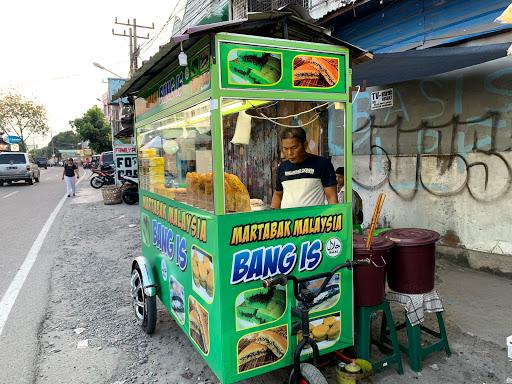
(11, 139)
(382, 99)
(182, 83)
(114, 85)
(272, 68)
(125, 159)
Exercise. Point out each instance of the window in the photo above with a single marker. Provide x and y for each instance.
(12, 158)
(176, 157)
(253, 152)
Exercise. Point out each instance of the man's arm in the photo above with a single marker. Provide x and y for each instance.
(276, 199)
(331, 195)
(63, 173)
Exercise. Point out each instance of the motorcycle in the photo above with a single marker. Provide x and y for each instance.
(102, 176)
(130, 189)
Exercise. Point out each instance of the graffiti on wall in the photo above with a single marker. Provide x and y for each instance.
(474, 147)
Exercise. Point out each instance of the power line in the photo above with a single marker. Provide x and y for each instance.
(149, 43)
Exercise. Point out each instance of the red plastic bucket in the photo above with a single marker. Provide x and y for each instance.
(370, 280)
(412, 265)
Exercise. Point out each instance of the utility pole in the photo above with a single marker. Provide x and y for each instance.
(132, 35)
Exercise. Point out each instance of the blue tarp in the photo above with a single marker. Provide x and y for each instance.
(417, 24)
(391, 68)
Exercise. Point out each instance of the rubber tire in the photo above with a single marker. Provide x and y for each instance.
(94, 182)
(128, 199)
(148, 324)
(310, 373)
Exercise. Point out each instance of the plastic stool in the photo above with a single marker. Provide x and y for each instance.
(415, 352)
(364, 339)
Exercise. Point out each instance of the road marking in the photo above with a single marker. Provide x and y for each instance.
(10, 194)
(16, 285)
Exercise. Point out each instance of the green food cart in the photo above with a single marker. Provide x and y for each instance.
(208, 144)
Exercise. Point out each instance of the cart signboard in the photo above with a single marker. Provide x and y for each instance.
(268, 68)
(180, 84)
(211, 280)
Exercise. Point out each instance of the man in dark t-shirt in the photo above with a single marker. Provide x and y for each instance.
(303, 179)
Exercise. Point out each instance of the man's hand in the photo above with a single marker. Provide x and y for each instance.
(276, 200)
(331, 195)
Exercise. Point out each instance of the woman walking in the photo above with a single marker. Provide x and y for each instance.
(70, 170)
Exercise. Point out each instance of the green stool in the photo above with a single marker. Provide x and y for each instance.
(415, 352)
(364, 340)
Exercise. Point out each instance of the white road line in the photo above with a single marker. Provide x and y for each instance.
(16, 285)
(10, 194)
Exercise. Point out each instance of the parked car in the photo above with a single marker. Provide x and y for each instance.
(42, 162)
(107, 160)
(18, 166)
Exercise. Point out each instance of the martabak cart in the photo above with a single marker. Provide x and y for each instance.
(207, 134)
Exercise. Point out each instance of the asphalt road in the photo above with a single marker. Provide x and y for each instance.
(24, 210)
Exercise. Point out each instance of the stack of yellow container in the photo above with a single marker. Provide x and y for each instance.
(152, 167)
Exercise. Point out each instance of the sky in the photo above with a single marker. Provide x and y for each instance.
(48, 47)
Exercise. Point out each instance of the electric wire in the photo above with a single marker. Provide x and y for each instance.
(144, 47)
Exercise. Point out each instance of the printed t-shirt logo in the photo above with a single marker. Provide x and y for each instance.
(299, 171)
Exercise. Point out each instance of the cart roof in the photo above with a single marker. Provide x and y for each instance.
(266, 24)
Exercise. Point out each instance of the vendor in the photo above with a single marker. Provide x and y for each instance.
(303, 179)
(357, 202)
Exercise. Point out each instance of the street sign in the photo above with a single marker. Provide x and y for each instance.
(11, 139)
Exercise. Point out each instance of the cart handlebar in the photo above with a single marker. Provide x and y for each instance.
(276, 280)
(283, 279)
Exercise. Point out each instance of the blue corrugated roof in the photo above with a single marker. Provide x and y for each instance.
(416, 24)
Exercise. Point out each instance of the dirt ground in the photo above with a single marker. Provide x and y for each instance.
(90, 290)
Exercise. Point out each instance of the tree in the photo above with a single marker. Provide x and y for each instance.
(64, 140)
(22, 117)
(94, 127)
(41, 152)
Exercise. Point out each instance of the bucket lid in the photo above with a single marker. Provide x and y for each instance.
(411, 237)
(378, 244)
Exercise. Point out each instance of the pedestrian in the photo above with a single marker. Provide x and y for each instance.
(303, 179)
(70, 170)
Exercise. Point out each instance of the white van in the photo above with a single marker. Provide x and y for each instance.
(18, 166)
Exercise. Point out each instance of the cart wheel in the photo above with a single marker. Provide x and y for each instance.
(309, 374)
(143, 306)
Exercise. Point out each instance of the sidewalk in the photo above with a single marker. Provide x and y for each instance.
(90, 290)
(478, 318)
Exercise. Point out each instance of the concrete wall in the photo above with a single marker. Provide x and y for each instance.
(442, 154)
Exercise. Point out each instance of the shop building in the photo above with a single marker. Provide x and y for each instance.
(433, 128)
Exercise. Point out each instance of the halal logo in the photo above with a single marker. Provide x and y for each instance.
(333, 247)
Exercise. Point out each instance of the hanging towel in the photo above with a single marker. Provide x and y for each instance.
(243, 129)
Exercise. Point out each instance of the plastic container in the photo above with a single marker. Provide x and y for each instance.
(370, 280)
(411, 268)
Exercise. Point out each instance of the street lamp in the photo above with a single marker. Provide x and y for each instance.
(98, 65)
